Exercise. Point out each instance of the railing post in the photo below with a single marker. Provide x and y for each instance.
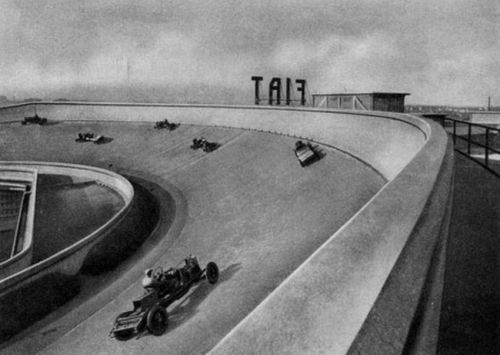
(486, 146)
(469, 129)
(454, 132)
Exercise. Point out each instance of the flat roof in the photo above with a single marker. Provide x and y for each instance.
(363, 93)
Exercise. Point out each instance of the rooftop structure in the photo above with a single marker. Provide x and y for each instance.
(486, 117)
(372, 101)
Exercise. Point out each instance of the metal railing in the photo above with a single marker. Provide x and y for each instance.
(475, 141)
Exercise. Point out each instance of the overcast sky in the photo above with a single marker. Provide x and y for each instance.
(442, 52)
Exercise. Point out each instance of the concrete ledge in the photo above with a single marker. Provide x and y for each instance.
(405, 316)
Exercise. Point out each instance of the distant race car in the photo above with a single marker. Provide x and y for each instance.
(305, 153)
(89, 137)
(34, 120)
(165, 124)
(164, 288)
(205, 145)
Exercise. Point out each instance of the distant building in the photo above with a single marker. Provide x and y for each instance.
(373, 101)
(486, 117)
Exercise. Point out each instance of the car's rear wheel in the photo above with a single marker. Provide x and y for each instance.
(212, 272)
(157, 320)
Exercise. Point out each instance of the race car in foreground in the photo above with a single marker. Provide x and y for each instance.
(305, 153)
(164, 288)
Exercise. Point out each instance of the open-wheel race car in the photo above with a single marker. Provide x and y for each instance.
(205, 145)
(165, 124)
(89, 137)
(305, 153)
(162, 288)
(34, 120)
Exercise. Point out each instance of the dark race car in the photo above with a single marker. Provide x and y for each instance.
(34, 120)
(89, 137)
(205, 145)
(165, 124)
(305, 153)
(162, 288)
(198, 143)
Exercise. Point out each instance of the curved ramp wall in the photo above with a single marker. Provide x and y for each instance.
(23, 258)
(69, 260)
(375, 285)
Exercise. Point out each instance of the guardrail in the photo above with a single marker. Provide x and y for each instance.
(468, 135)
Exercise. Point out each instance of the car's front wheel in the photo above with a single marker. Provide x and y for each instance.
(126, 333)
(157, 320)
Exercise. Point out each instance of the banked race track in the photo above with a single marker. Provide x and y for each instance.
(343, 256)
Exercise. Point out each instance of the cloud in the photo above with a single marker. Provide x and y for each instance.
(440, 52)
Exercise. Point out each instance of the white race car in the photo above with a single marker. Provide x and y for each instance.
(305, 153)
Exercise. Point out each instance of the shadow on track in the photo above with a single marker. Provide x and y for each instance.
(319, 151)
(104, 140)
(52, 123)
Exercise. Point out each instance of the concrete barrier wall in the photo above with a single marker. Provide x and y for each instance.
(13, 113)
(22, 259)
(357, 133)
(69, 260)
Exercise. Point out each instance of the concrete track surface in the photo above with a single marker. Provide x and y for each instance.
(250, 208)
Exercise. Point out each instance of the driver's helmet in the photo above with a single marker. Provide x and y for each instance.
(148, 278)
(158, 273)
(191, 260)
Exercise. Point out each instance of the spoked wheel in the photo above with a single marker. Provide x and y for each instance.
(212, 272)
(157, 321)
